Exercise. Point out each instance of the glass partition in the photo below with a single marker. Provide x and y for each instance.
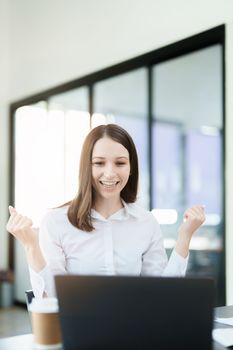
(48, 141)
(187, 150)
(123, 100)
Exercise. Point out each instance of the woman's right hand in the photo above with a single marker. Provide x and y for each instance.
(21, 228)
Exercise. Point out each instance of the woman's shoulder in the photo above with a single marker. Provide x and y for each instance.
(141, 213)
(55, 215)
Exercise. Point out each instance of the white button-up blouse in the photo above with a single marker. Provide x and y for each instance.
(127, 243)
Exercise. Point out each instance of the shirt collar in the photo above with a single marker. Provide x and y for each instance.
(129, 209)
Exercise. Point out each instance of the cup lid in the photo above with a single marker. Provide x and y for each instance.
(44, 305)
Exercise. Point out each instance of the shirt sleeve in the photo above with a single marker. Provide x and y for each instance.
(155, 261)
(52, 251)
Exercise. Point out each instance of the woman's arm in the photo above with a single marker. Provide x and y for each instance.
(44, 253)
(21, 228)
(155, 260)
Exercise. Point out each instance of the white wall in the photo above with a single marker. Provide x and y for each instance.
(4, 101)
(58, 40)
(54, 41)
(229, 163)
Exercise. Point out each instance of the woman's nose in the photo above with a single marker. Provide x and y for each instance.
(109, 171)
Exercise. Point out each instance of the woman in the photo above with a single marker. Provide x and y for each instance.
(102, 230)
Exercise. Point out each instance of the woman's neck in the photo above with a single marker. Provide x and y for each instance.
(107, 207)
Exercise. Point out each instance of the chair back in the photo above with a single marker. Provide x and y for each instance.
(29, 295)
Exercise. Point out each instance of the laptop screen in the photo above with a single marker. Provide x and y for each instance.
(115, 312)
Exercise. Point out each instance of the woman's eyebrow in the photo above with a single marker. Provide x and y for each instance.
(121, 157)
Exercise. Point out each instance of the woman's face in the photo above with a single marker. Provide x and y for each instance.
(110, 168)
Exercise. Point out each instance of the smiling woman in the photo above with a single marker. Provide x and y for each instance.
(102, 230)
(110, 170)
(108, 156)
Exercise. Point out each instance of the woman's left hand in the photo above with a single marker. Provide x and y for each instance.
(193, 219)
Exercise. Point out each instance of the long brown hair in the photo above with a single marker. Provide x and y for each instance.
(79, 212)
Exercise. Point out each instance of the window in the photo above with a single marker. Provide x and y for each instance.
(123, 100)
(49, 137)
(187, 149)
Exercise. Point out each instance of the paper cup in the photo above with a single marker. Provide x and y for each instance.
(45, 323)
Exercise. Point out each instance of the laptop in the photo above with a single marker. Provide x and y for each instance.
(115, 312)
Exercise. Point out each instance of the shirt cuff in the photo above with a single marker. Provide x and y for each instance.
(37, 283)
(41, 282)
(177, 265)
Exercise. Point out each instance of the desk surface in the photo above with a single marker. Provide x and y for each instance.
(18, 342)
(25, 341)
(224, 311)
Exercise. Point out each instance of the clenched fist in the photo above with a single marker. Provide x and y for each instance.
(194, 217)
(21, 228)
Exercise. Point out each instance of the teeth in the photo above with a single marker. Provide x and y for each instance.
(109, 183)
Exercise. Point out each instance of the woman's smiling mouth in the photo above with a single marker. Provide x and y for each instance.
(109, 184)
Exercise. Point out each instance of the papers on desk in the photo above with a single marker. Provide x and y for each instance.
(223, 336)
(228, 321)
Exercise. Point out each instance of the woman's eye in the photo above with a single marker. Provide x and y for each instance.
(98, 163)
(102, 163)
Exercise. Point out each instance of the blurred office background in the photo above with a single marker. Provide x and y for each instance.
(161, 69)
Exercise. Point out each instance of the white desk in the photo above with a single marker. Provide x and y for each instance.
(19, 342)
